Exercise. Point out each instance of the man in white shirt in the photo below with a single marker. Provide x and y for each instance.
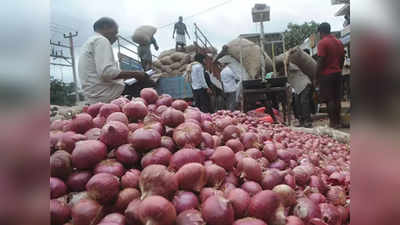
(229, 80)
(201, 91)
(100, 76)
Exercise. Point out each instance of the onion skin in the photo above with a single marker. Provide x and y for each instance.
(127, 155)
(156, 210)
(208, 126)
(115, 218)
(240, 200)
(155, 126)
(190, 217)
(77, 181)
(251, 187)
(60, 213)
(184, 201)
(254, 153)
(208, 192)
(160, 156)
(235, 145)
(57, 188)
(93, 134)
(230, 132)
(130, 179)
(270, 179)
(316, 182)
(157, 180)
(103, 187)
(86, 212)
(330, 214)
(179, 105)
(132, 212)
(217, 210)
(250, 140)
(124, 198)
(135, 110)
(149, 95)
(294, 220)
(306, 209)
(118, 116)
(107, 109)
(68, 141)
(99, 121)
(164, 99)
(301, 176)
(224, 157)
(215, 175)
(94, 109)
(317, 198)
(110, 166)
(227, 187)
(287, 195)
(207, 140)
(114, 134)
(81, 123)
(145, 139)
(207, 153)
(160, 109)
(192, 177)
(263, 205)
(184, 156)
(249, 169)
(134, 126)
(187, 134)
(172, 117)
(249, 221)
(191, 114)
(87, 154)
(270, 151)
(60, 164)
(336, 195)
(278, 164)
(168, 143)
(231, 178)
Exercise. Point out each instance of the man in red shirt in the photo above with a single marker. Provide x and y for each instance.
(329, 72)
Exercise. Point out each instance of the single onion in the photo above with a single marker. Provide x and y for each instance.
(54, 138)
(230, 132)
(60, 164)
(60, 213)
(336, 195)
(156, 210)
(215, 175)
(152, 108)
(286, 194)
(254, 153)
(306, 209)
(191, 114)
(240, 200)
(249, 221)
(270, 151)
(118, 116)
(57, 125)
(103, 187)
(192, 177)
(208, 126)
(160, 156)
(184, 156)
(330, 214)
(57, 188)
(132, 212)
(94, 109)
(208, 192)
(145, 139)
(164, 99)
(263, 205)
(301, 175)
(207, 140)
(251, 187)
(77, 180)
(187, 135)
(93, 134)
(160, 109)
(222, 123)
(263, 162)
(190, 217)
(81, 123)
(217, 210)
(99, 121)
(227, 187)
(179, 105)
(68, 140)
(217, 140)
(172, 117)
(317, 198)
(290, 180)
(121, 101)
(86, 212)
(127, 155)
(235, 145)
(224, 157)
(149, 95)
(184, 200)
(270, 179)
(124, 198)
(250, 140)
(87, 154)
(107, 109)
(113, 219)
(284, 155)
(130, 179)
(135, 110)
(168, 142)
(155, 126)
(278, 164)
(249, 169)
(157, 180)
(134, 126)
(207, 153)
(110, 166)
(114, 134)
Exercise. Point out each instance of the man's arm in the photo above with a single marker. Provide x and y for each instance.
(138, 75)
(173, 33)
(187, 32)
(154, 43)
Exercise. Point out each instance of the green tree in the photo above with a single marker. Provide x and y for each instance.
(296, 33)
(61, 93)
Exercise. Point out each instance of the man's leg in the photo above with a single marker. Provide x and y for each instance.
(305, 106)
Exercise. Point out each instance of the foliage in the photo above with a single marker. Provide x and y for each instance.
(61, 93)
(296, 34)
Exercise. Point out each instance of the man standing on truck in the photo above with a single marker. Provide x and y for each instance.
(181, 30)
(145, 55)
(329, 72)
(229, 81)
(100, 76)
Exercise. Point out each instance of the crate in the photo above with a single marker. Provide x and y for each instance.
(174, 86)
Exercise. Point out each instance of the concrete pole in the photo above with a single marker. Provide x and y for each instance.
(262, 52)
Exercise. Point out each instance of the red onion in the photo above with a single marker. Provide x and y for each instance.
(294, 220)
(215, 175)
(54, 138)
(134, 126)
(107, 109)
(155, 126)
(222, 123)
(77, 181)
(139, 100)
(68, 140)
(250, 140)
(93, 134)
(187, 135)
(330, 214)
(75, 197)
(60, 213)
(81, 123)
(230, 132)
(240, 200)
(316, 182)
(149, 95)
(316, 221)
(190, 217)
(208, 192)
(254, 153)
(231, 178)
(278, 164)
(60, 164)
(103, 187)
(292, 164)
(192, 115)
(114, 134)
(227, 187)
(157, 180)
(161, 109)
(207, 153)
(145, 139)
(168, 142)
(301, 176)
(130, 179)
(160, 156)
(306, 209)
(86, 212)
(317, 198)
(217, 140)
(118, 116)
(330, 169)
(290, 180)
(344, 213)
(279, 218)
(263, 162)
(336, 195)
(110, 166)
(217, 210)
(152, 108)
(121, 101)
(99, 121)
(57, 125)
(184, 156)
(287, 195)
(135, 110)
(284, 155)
(207, 140)
(164, 99)
(270, 151)
(88, 153)
(251, 187)
(249, 221)
(270, 179)
(172, 117)
(127, 155)
(235, 145)
(249, 169)
(124, 198)
(206, 116)
(156, 210)
(184, 201)
(114, 219)
(224, 157)
(179, 105)
(132, 212)
(263, 205)
(57, 188)
(336, 178)
(192, 177)
(94, 109)
(208, 127)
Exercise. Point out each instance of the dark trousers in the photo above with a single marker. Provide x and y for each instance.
(230, 100)
(330, 92)
(303, 105)
(202, 100)
(134, 89)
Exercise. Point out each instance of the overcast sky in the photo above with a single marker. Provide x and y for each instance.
(221, 24)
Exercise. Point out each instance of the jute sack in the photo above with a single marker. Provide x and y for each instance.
(177, 56)
(166, 53)
(166, 69)
(190, 48)
(186, 59)
(143, 34)
(166, 60)
(157, 64)
(175, 66)
(304, 61)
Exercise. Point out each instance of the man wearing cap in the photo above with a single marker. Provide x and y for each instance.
(180, 29)
(329, 70)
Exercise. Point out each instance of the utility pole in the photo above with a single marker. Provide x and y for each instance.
(262, 51)
(70, 36)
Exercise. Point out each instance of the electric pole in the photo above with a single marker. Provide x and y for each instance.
(70, 36)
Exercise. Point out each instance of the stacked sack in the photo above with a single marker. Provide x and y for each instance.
(143, 34)
(299, 58)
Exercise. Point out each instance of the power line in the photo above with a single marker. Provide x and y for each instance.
(61, 25)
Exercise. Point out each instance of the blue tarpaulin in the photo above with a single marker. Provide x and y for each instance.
(174, 86)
